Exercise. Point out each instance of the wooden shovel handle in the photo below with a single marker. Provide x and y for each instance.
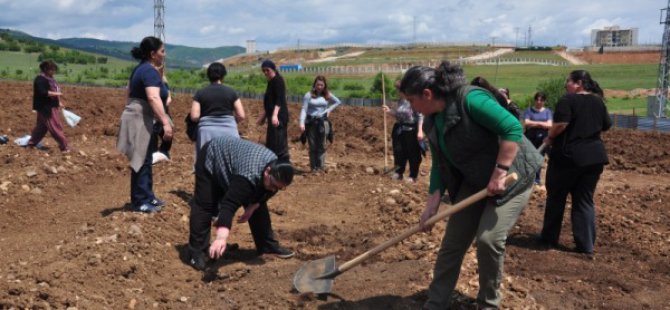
(511, 178)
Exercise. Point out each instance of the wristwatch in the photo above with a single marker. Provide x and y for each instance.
(501, 166)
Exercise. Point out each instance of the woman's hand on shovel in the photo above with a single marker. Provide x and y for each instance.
(432, 205)
(219, 245)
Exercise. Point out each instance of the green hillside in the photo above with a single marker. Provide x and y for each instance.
(178, 56)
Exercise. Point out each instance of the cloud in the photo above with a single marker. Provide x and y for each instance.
(279, 23)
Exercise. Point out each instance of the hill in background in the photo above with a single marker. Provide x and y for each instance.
(178, 56)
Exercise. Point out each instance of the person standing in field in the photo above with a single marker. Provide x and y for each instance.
(475, 143)
(216, 108)
(406, 137)
(275, 111)
(144, 107)
(537, 121)
(47, 102)
(314, 121)
(576, 160)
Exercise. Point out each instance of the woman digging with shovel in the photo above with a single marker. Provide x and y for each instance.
(474, 144)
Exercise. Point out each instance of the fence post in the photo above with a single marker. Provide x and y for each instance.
(616, 120)
(653, 128)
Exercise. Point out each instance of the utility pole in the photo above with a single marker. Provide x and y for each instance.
(159, 24)
(530, 36)
(663, 67)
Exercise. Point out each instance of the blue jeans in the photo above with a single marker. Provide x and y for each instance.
(141, 182)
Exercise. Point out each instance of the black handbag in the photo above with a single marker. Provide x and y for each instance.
(191, 128)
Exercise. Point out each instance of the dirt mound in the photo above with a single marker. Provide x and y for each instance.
(69, 241)
(620, 58)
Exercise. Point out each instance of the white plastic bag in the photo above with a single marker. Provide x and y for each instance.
(70, 118)
(23, 141)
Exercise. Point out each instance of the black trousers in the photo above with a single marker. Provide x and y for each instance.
(406, 148)
(317, 130)
(205, 206)
(580, 183)
(276, 140)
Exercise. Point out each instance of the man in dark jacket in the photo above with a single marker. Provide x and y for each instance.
(231, 172)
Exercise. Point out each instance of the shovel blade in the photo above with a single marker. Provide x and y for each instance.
(306, 279)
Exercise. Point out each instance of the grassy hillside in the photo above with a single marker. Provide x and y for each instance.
(178, 56)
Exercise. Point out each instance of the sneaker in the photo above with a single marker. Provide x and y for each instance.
(147, 208)
(410, 180)
(158, 157)
(280, 252)
(198, 261)
(396, 176)
(157, 202)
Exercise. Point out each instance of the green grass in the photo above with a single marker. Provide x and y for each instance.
(522, 80)
(13, 63)
(538, 55)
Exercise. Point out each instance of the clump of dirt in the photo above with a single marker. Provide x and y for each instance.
(69, 240)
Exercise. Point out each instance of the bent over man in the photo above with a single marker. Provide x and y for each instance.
(231, 172)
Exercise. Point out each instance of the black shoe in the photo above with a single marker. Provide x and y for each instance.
(198, 261)
(280, 252)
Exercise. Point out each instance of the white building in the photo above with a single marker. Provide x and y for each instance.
(614, 36)
(251, 46)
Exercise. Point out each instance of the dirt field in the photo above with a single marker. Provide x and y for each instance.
(620, 58)
(67, 238)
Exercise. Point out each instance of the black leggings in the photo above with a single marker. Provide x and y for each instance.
(406, 148)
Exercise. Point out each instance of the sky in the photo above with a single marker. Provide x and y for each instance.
(290, 23)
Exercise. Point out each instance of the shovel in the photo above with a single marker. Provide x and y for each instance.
(317, 276)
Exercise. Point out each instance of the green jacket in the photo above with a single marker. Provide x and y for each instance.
(474, 150)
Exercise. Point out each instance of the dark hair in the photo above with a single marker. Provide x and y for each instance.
(588, 83)
(216, 71)
(148, 45)
(282, 171)
(442, 80)
(269, 64)
(483, 83)
(48, 65)
(540, 95)
(325, 93)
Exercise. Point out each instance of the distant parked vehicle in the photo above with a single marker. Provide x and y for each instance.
(290, 67)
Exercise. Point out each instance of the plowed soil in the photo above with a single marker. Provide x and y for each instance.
(69, 241)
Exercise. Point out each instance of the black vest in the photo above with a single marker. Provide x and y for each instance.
(474, 151)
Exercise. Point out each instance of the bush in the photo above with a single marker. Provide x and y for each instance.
(353, 86)
(377, 85)
(554, 89)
